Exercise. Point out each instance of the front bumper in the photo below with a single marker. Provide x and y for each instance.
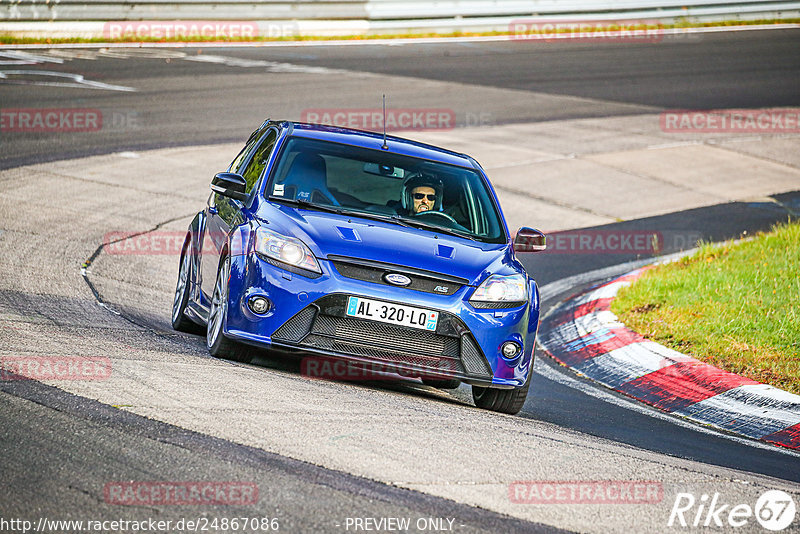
(308, 315)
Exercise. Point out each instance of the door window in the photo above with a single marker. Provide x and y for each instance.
(258, 161)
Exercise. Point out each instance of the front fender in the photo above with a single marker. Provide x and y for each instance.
(533, 319)
(238, 248)
(192, 245)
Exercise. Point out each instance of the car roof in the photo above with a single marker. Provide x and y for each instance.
(373, 140)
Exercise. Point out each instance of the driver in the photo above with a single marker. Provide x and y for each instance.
(423, 197)
(422, 192)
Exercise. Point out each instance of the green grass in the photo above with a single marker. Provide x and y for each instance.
(10, 39)
(734, 306)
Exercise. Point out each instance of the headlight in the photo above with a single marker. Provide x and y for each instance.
(285, 249)
(498, 288)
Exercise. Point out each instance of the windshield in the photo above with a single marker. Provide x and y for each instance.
(372, 183)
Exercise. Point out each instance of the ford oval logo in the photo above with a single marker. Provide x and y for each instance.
(397, 279)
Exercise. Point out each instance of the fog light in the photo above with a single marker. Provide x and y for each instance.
(510, 349)
(258, 304)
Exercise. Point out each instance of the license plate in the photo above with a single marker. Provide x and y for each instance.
(392, 313)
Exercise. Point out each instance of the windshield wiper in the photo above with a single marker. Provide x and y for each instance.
(396, 219)
(437, 228)
(309, 205)
(460, 233)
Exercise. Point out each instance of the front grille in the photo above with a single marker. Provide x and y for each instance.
(296, 328)
(471, 355)
(387, 336)
(324, 326)
(372, 271)
(443, 365)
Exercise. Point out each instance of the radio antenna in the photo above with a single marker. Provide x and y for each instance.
(385, 146)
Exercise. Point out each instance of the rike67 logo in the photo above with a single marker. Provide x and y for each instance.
(774, 510)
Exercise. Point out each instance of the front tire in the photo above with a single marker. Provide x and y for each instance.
(218, 345)
(508, 401)
(179, 320)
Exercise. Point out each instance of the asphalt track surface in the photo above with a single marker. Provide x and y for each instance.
(57, 446)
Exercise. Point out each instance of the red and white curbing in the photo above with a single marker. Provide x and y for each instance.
(583, 334)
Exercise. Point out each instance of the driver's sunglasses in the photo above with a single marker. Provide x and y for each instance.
(420, 196)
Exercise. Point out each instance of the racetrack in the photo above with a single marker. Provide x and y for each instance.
(320, 451)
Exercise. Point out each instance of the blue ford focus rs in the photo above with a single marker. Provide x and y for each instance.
(358, 247)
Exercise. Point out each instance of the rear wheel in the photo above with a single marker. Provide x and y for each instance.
(218, 345)
(179, 320)
(502, 400)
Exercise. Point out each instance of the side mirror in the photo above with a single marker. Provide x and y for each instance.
(230, 184)
(529, 240)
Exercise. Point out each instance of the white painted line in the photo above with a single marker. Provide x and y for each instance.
(27, 58)
(228, 60)
(90, 55)
(77, 80)
(677, 144)
(140, 53)
(271, 66)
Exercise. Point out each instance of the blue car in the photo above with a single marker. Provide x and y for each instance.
(356, 247)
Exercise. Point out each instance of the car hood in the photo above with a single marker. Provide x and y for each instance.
(330, 234)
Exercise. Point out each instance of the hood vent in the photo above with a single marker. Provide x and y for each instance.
(348, 234)
(444, 251)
